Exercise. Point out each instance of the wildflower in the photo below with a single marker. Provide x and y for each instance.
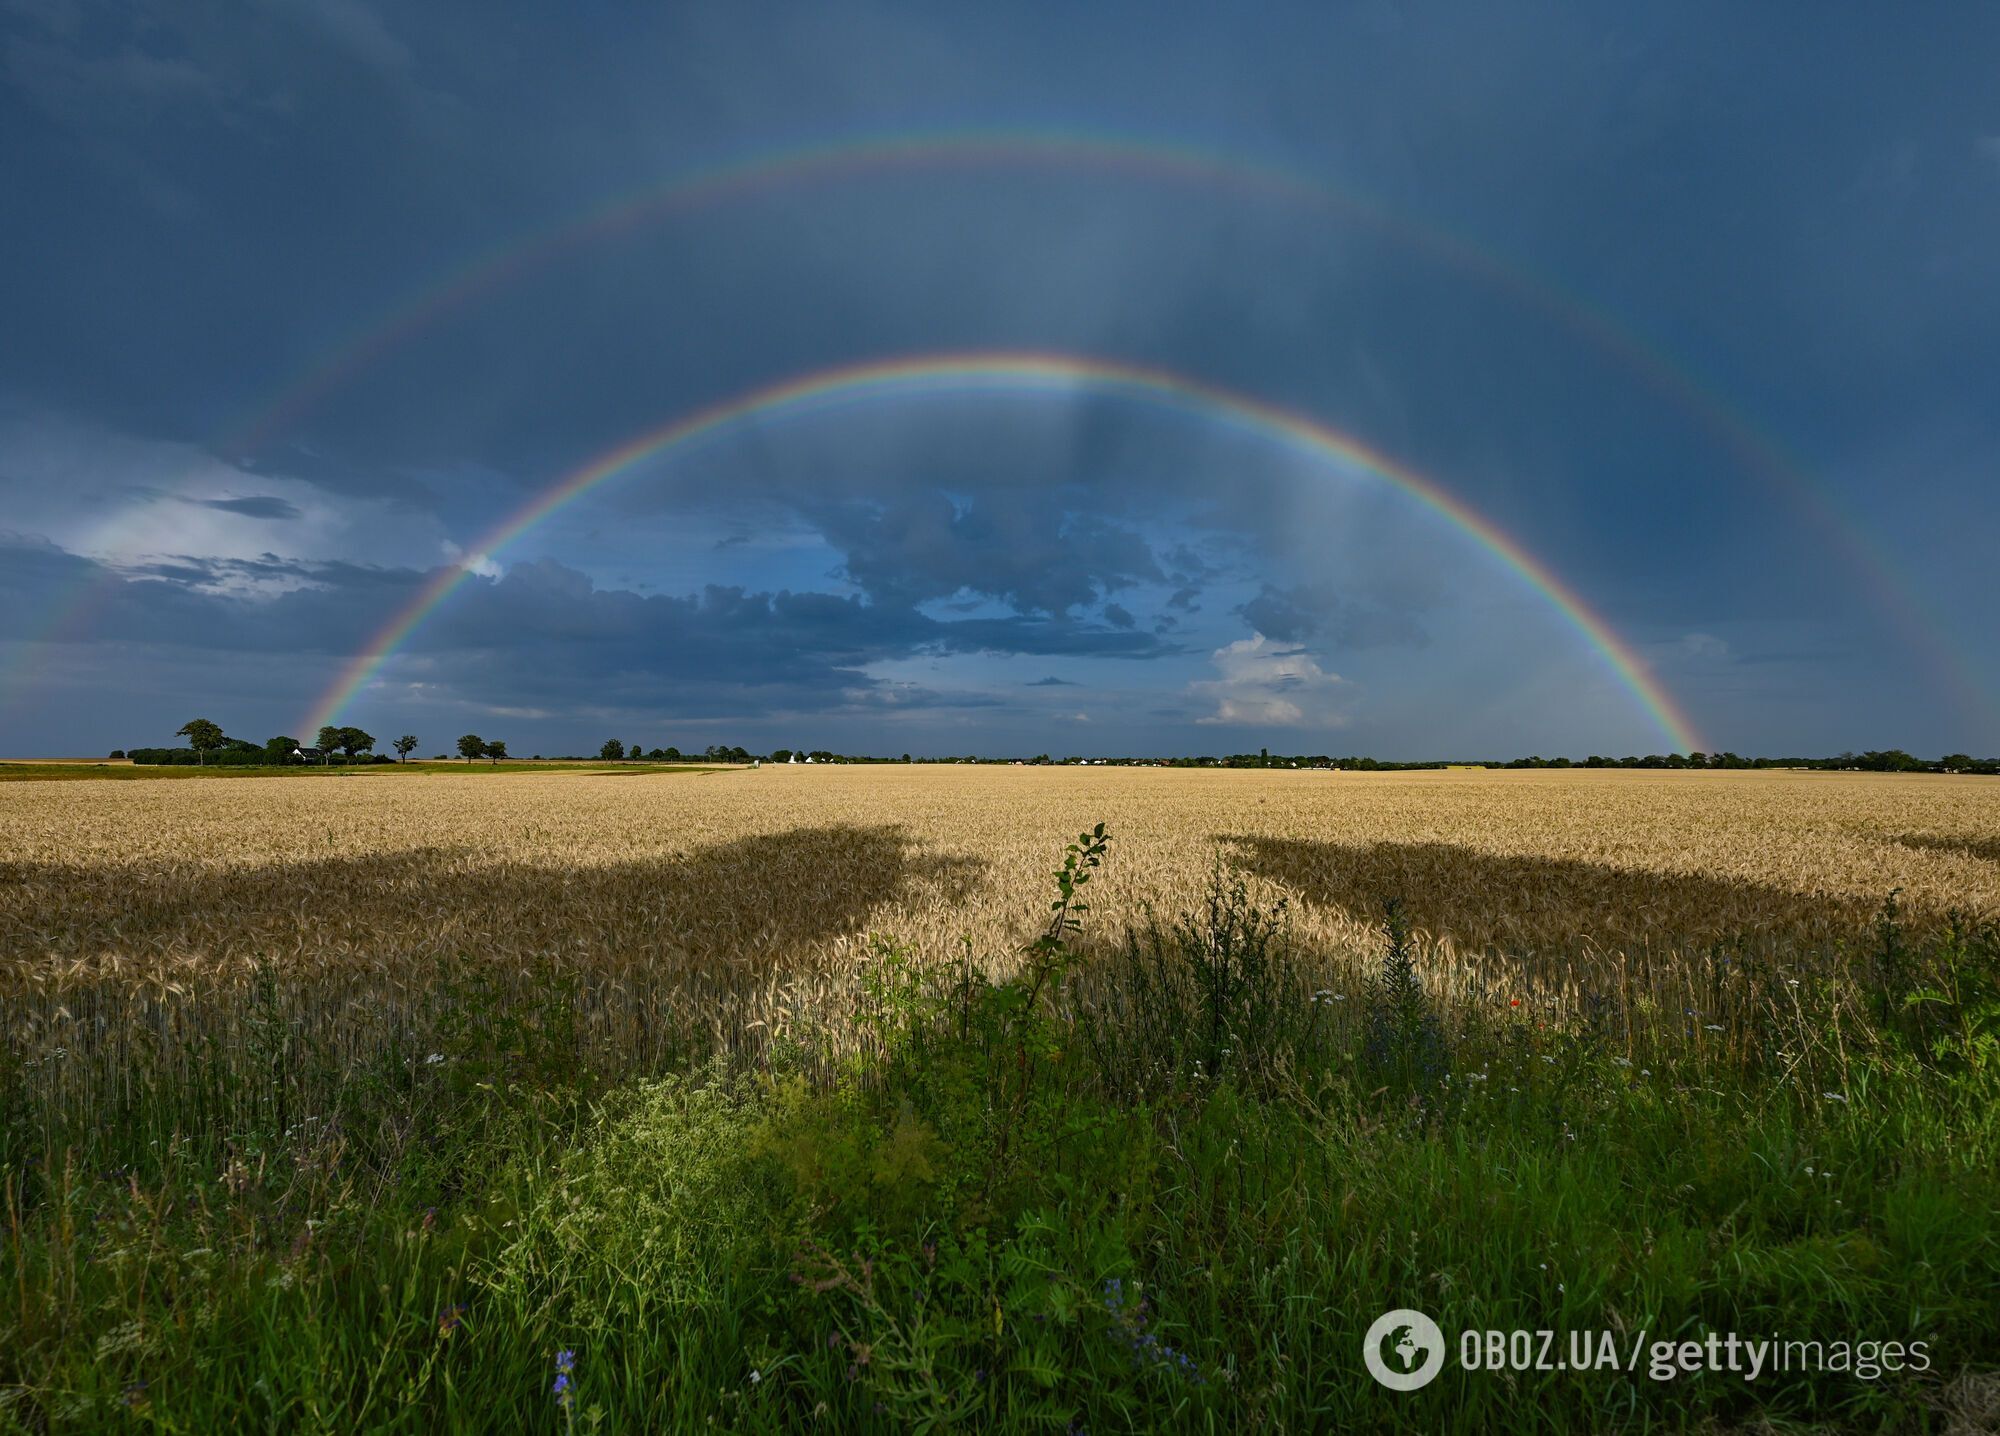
(1834, 1096)
(434, 1059)
(1513, 1002)
(450, 1320)
(1715, 1027)
(756, 1375)
(565, 1366)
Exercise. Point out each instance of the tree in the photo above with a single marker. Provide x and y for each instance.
(328, 740)
(673, 754)
(612, 750)
(471, 746)
(203, 736)
(496, 750)
(354, 740)
(116, 754)
(279, 750)
(406, 745)
(635, 750)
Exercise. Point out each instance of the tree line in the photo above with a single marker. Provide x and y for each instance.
(208, 744)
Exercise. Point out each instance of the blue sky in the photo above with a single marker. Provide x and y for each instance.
(1796, 209)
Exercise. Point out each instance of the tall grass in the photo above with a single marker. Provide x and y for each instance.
(1159, 1179)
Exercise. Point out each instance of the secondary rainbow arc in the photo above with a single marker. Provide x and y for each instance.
(962, 372)
(769, 170)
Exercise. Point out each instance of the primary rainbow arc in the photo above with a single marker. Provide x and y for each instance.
(1035, 372)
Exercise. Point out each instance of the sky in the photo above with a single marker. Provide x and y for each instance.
(1693, 309)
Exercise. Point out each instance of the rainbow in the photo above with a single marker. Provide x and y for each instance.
(959, 373)
(454, 289)
(767, 170)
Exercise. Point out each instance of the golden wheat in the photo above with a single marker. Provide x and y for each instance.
(783, 867)
(154, 934)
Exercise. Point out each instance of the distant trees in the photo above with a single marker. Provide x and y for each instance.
(203, 736)
(471, 746)
(612, 750)
(115, 754)
(496, 749)
(278, 751)
(327, 741)
(405, 746)
(353, 740)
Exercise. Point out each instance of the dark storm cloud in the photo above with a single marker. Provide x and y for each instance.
(1003, 544)
(255, 506)
(543, 634)
(1310, 610)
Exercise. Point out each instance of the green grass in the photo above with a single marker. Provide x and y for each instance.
(126, 772)
(1166, 1186)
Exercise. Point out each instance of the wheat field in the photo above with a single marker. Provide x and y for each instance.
(764, 879)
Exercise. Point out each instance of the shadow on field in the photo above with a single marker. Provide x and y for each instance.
(749, 904)
(1488, 900)
(1985, 849)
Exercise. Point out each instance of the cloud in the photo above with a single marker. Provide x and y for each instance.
(1315, 610)
(479, 563)
(254, 506)
(1265, 684)
(543, 636)
(1011, 546)
(1701, 647)
(1051, 682)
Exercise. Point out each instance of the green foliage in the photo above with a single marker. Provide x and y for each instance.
(1162, 1186)
(203, 736)
(1405, 1048)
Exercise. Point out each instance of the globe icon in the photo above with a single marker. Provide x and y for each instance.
(1404, 1349)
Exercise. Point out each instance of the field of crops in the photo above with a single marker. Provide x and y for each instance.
(781, 868)
(244, 1014)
